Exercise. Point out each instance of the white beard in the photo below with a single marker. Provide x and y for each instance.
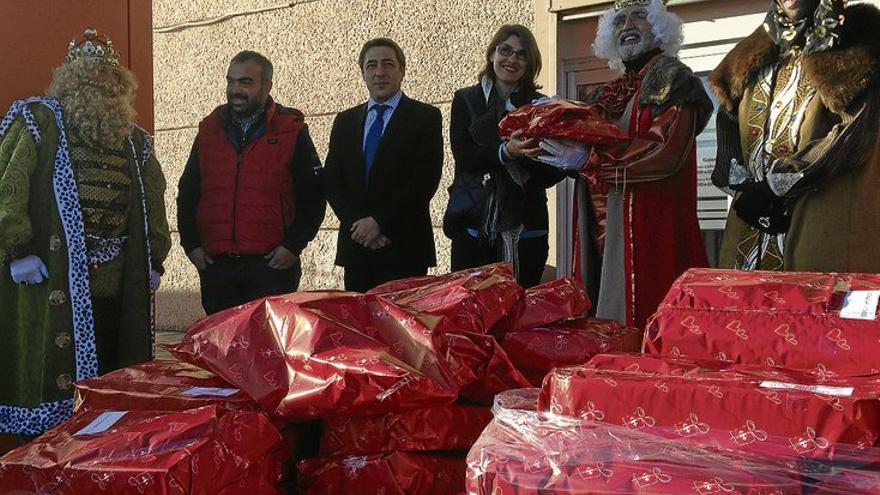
(632, 52)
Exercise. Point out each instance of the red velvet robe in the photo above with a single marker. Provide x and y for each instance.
(661, 233)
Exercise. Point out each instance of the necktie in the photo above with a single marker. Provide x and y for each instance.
(374, 135)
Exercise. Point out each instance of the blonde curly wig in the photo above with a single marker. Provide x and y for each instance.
(98, 100)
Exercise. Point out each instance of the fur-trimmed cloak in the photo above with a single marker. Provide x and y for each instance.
(835, 207)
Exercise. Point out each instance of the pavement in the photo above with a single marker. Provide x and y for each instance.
(166, 338)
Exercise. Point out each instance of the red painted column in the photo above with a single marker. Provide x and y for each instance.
(36, 34)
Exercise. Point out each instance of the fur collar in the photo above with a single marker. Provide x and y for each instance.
(839, 75)
(671, 82)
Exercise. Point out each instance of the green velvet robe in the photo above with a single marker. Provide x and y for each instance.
(46, 330)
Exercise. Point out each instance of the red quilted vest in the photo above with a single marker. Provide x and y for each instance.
(246, 199)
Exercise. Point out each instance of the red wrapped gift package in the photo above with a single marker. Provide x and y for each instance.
(481, 366)
(766, 412)
(567, 343)
(305, 355)
(562, 119)
(473, 300)
(205, 450)
(453, 427)
(397, 473)
(309, 355)
(529, 452)
(822, 322)
(160, 385)
(547, 303)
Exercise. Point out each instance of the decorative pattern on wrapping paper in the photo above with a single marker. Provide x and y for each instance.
(691, 427)
(594, 471)
(690, 323)
(102, 480)
(639, 420)
(141, 481)
(836, 336)
(656, 476)
(785, 332)
(736, 327)
(748, 434)
(822, 373)
(715, 485)
(591, 414)
(808, 442)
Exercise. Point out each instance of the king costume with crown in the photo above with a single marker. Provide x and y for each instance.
(83, 235)
(636, 227)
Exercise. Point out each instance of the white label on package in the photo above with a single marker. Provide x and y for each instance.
(815, 389)
(214, 391)
(860, 305)
(102, 423)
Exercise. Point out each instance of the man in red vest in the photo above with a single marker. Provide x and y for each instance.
(249, 200)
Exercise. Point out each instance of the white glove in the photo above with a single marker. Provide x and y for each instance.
(28, 270)
(544, 100)
(155, 280)
(564, 155)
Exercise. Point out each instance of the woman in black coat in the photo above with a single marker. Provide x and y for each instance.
(497, 207)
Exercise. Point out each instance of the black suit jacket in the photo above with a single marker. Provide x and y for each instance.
(404, 177)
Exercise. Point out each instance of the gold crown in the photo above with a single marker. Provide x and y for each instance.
(625, 4)
(91, 45)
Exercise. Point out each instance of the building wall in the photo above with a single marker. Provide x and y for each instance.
(313, 45)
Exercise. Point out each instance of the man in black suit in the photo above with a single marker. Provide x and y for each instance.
(382, 169)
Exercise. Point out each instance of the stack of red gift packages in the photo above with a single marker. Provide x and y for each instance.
(752, 383)
(321, 393)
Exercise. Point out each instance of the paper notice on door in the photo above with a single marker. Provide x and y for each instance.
(102, 423)
(210, 391)
(860, 305)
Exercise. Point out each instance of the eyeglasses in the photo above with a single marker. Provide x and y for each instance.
(506, 50)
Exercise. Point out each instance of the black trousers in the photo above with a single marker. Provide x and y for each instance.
(468, 253)
(107, 312)
(234, 280)
(365, 276)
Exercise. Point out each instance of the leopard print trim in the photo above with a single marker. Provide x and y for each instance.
(36, 420)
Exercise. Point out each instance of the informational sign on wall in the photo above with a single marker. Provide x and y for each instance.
(712, 203)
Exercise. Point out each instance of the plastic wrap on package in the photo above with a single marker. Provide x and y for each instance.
(567, 343)
(160, 385)
(397, 473)
(769, 412)
(562, 119)
(472, 300)
(547, 303)
(823, 322)
(305, 355)
(453, 427)
(528, 452)
(205, 450)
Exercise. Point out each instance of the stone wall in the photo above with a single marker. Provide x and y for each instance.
(313, 45)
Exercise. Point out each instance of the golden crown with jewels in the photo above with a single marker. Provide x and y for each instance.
(625, 4)
(91, 45)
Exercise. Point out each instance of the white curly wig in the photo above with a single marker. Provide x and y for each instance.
(665, 25)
